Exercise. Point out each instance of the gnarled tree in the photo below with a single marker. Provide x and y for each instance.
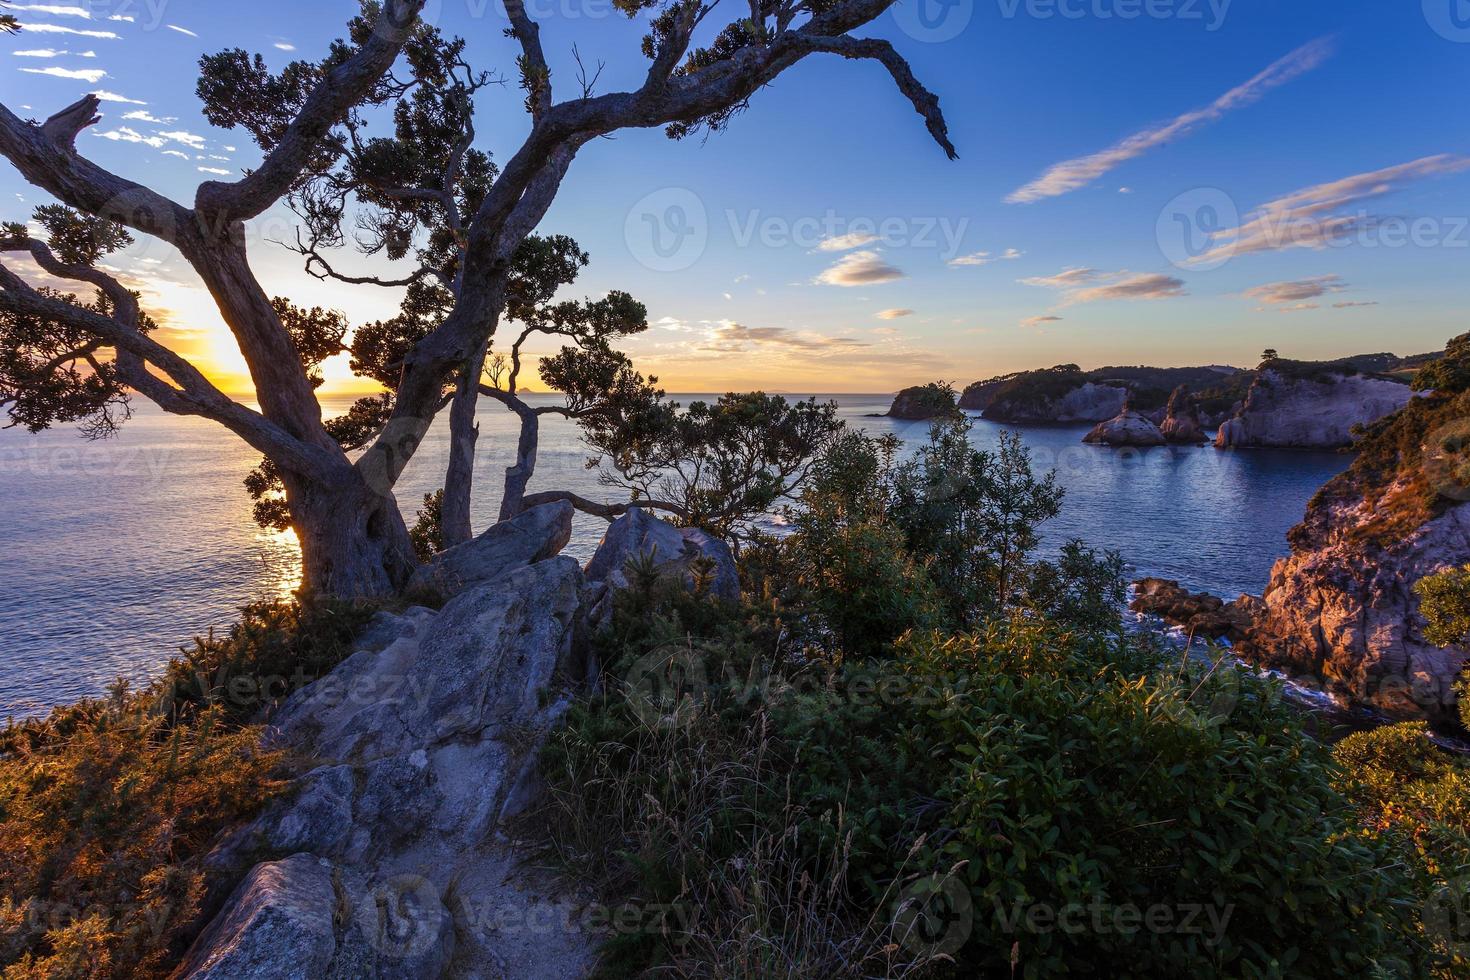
(306, 120)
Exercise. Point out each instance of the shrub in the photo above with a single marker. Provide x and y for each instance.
(109, 806)
(990, 775)
(1414, 797)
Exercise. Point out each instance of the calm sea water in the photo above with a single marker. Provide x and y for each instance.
(119, 552)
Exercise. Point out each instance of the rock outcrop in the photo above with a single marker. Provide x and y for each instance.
(535, 535)
(923, 402)
(1341, 608)
(1127, 428)
(1087, 402)
(688, 553)
(1182, 420)
(1309, 411)
(1206, 616)
(418, 753)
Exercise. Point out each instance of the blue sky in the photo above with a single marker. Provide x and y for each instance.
(1257, 173)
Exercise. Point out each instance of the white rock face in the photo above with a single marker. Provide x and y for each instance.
(1090, 403)
(1345, 612)
(419, 750)
(1296, 413)
(1128, 429)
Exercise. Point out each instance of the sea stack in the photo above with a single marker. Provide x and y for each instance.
(1128, 428)
(1182, 421)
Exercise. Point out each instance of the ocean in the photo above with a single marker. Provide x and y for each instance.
(119, 552)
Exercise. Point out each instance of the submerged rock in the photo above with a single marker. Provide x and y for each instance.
(1309, 410)
(534, 535)
(1206, 616)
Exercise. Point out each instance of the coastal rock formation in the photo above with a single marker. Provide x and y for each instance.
(689, 553)
(1182, 422)
(419, 753)
(1206, 616)
(535, 535)
(1087, 402)
(1309, 410)
(1128, 428)
(923, 402)
(1341, 607)
(978, 396)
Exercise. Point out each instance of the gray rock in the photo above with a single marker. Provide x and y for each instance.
(638, 535)
(423, 749)
(535, 535)
(278, 924)
(1128, 429)
(1288, 412)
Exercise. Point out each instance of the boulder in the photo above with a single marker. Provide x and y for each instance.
(1182, 422)
(534, 535)
(689, 553)
(415, 755)
(1129, 428)
(1206, 616)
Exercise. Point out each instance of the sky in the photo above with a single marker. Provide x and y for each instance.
(1166, 182)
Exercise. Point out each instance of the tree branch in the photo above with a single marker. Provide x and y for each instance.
(343, 88)
(607, 511)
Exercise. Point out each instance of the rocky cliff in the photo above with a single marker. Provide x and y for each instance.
(393, 854)
(1183, 422)
(1341, 607)
(1309, 409)
(1086, 402)
(1127, 428)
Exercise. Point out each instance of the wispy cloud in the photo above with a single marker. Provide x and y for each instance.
(55, 10)
(53, 53)
(1071, 175)
(92, 75)
(214, 170)
(841, 243)
(143, 115)
(894, 314)
(1315, 216)
(181, 30)
(61, 29)
(192, 140)
(176, 153)
(728, 336)
(1354, 304)
(866, 268)
(124, 134)
(107, 96)
(1296, 290)
(1075, 285)
(1032, 322)
(284, 46)
(984, 258)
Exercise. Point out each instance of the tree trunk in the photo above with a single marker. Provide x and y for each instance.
(518, 475)
(354, 543)
(464, 433)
